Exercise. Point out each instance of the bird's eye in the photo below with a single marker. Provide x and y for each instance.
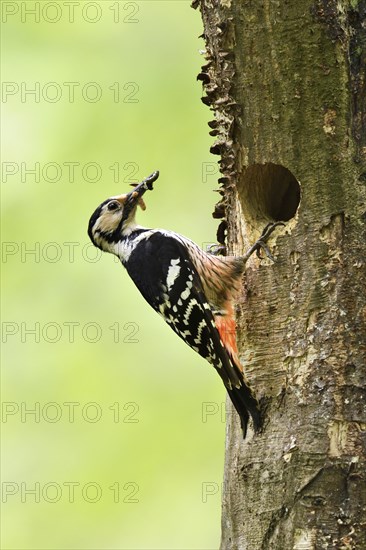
(113, 205)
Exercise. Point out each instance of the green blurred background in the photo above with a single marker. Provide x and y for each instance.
(119, 452)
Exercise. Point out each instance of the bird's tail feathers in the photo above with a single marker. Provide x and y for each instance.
(245, 403)
(233, 376)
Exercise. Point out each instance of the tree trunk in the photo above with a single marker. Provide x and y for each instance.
(286, 80)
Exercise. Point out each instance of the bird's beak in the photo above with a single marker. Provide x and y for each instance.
(134, 197)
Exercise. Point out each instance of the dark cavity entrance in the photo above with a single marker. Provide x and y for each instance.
(268, 192)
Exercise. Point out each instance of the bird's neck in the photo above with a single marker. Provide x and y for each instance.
(130, 238)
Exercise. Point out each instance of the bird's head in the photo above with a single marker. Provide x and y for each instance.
(114, 219)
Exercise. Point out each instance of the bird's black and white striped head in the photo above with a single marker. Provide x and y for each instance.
(114, 219)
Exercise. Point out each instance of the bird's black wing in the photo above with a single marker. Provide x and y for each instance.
(163, 272)
(166, 277)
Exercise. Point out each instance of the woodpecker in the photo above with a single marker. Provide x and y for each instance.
(193, 290)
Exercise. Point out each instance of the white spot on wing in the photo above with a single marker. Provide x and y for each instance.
(200, 327)
(173, 273)
(190, 306)
(187, 291)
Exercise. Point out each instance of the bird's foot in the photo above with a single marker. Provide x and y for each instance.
(216, 249)
(261, 243)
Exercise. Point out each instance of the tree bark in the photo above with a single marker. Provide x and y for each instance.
(287, 83)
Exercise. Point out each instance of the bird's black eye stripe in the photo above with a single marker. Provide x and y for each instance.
(113, 205)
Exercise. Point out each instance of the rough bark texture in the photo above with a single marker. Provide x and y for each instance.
(286, 81)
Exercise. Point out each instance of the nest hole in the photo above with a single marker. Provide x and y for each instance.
(268, 192)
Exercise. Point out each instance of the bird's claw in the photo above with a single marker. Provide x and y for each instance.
(216, 249)
(262, 246)
(261, 243)
(268, 230)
